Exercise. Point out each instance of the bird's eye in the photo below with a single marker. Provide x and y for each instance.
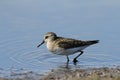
(46, 37)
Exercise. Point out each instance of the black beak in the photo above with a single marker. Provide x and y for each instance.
(41, 43)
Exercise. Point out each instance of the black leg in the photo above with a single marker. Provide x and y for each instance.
(75, 59)
(67, 59)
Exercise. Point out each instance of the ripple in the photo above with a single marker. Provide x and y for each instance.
(23, 53)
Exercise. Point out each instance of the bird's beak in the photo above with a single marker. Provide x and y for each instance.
(41, 43)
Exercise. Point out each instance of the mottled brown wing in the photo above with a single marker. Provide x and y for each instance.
(72, 43)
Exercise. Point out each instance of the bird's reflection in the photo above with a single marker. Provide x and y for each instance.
(68, 66)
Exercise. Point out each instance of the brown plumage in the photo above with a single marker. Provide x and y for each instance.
(65, 46)
(67, 43)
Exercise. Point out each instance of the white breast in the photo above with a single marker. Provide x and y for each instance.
(61, 51)
(49, 46)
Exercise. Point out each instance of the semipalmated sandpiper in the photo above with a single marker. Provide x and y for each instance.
(65, 46)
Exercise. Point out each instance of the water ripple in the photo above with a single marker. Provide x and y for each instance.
(23, 52)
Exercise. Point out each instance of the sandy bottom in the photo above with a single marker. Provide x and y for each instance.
(103, 73)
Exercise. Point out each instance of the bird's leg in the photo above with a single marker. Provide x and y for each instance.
(75, 59)
(67, 59)
(67, 62)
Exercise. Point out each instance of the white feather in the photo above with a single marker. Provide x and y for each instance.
(70, 51)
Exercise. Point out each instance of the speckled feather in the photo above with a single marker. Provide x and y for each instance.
(65, 46)
(68, 43)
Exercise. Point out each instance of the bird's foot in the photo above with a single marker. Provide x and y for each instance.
(75, 60)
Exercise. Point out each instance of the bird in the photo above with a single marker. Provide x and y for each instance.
(65, 46)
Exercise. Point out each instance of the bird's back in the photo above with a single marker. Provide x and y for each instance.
(67, 43)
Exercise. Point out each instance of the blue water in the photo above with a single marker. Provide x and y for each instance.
(23, 24)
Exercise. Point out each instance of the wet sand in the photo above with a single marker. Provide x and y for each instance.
(103, 73)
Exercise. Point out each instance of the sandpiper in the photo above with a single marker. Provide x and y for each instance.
(65, 46)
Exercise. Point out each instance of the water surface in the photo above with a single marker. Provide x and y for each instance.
(23, 24)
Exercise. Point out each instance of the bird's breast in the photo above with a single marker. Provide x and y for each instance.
(49, 46)
(53, 47)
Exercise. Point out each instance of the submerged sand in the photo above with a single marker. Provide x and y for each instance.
(103, 73)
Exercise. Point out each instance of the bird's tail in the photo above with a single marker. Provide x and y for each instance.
(93, 42)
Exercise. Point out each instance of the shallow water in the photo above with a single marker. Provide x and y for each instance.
(23, 24)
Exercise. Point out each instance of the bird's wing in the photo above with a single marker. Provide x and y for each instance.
(71, 43)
